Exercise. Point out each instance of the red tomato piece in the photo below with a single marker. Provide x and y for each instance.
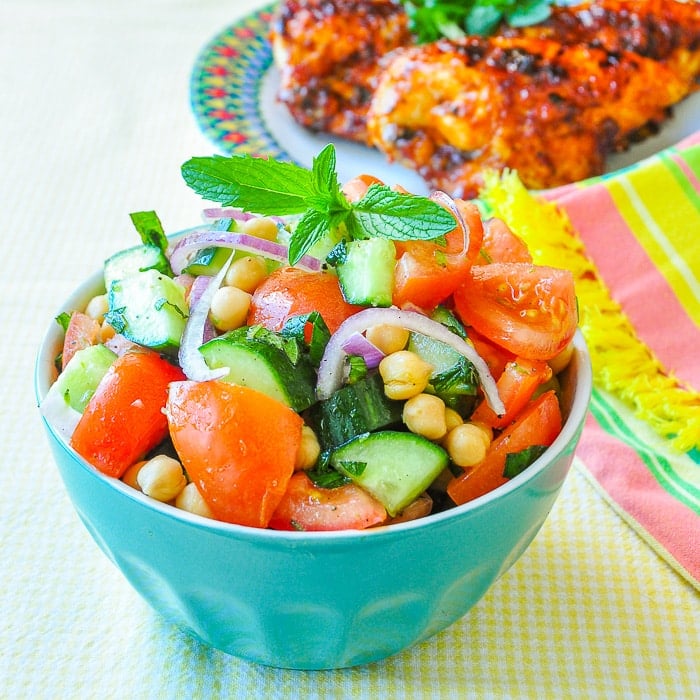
(291, 292)
(500, 244)
(427, 273)
(237, 444)
(494, 355)
(356, 188)
(516, 385)
(305, 506)
(124, 418)
(528, 309)
(538, 424)
(82, 332)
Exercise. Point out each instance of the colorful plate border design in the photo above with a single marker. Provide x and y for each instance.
(225, 88)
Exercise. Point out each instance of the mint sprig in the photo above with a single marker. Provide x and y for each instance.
(275, 188)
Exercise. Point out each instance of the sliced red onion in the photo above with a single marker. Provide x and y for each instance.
(191, 360)
(199, 286)
(207, 237)
(214, 213)
(330, 371)
(357, 344)
(445, 201)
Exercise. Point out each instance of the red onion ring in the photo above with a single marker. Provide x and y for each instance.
(191, 360)
(330, 372)
(445, 201)
(206, 237)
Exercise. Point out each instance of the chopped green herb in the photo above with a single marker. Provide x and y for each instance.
(517, 462)
(63, 320)
(150, 229)
(296, 326)
(356, 368)
(353, 468)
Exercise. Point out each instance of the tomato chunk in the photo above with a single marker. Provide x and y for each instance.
(500, 244)
(291, 292)
(82, 332)
(237, 444)
(124, 418)
(516, 385)
(528, 309)
(305, 506)
(427, 273)
(538, 424)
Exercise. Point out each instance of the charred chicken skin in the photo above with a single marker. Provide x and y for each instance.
(551, 100)
(452, 109)
(328, 54)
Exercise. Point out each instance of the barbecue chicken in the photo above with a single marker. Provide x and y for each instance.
(550, 101)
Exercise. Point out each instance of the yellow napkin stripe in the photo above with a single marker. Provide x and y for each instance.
(622, 363)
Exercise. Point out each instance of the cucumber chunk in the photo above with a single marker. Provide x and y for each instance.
(68, 396)
(352, 410)
(148, 308)
(207, 261)
(395, 467)
(366, 275)
(137, 259)
(262, 366)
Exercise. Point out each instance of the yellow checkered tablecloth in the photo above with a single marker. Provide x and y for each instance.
(95, 124)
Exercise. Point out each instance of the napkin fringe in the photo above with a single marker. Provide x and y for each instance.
(622, 363)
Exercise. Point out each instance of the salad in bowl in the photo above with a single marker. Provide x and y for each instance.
(316, 357)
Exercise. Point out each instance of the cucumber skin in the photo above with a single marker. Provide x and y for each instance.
(262, 366)
(399, 466)
(352, 410)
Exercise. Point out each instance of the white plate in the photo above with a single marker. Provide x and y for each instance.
(233, 95)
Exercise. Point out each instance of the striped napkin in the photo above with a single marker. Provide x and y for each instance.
(632, 239)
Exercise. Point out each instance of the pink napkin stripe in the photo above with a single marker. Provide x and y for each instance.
(666, 523)
(688, 173)
(630, 274)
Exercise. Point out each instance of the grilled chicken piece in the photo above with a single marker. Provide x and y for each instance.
(327, 52)
(665, 30)
(452, 109)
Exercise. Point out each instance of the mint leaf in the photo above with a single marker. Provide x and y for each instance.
(268, 187)
(150, 229)
(384, 213)
(312, 227)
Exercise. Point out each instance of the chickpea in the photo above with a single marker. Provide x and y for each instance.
(97, 307)
(560, 362)
(388, 338)
(229, 308)
(466, 445)
(106, 332)
(246, 273)
(424, 414)
(129, 476)
(309, 449)
(161, 478)
(405, 374)
(487, 431)
(452, 418)
(260, 227)
(190, 499)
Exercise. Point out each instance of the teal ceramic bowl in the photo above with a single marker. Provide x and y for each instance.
(314, 600)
